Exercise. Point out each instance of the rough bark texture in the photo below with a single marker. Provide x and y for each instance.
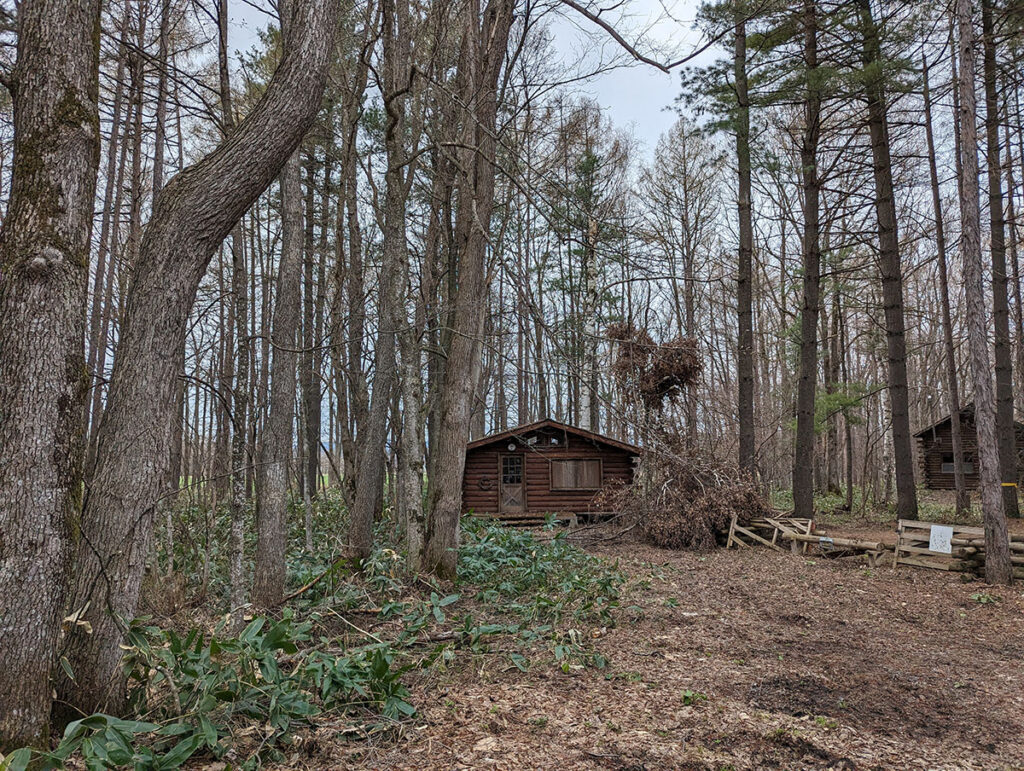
(44, 266)
(803, 457)
(276, 446)
(998, 568)
(744, 289)
(889, 267)
(399, 80)
(193, 215)
(483, 53)
(372, 460)
(963, 496)
(237, 387)
(1000, 302)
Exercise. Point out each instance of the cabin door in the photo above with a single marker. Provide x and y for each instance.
(512, 492)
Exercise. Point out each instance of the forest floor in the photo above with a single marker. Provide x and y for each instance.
(741, 660)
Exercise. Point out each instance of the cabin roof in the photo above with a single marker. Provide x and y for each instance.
(966, 412)
(548, 423)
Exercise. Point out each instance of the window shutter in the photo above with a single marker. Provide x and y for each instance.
(576, 474)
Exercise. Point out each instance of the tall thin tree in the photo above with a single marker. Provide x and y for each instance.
(998, 568)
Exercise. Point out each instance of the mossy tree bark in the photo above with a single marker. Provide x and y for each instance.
(44, 268)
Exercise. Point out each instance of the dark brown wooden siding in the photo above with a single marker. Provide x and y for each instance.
(480, 486)
(937, 443)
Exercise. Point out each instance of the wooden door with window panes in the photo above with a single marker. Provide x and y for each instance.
(512, 492)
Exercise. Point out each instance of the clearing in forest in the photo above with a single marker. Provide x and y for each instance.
(743, 660)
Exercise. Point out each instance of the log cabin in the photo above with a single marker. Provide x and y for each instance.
(935, 451)
(528, 472)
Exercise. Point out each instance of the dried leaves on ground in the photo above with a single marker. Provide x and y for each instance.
(743, 660)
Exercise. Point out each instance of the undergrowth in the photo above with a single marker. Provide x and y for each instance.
(341, 652)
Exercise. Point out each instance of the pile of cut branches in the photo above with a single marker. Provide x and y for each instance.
(682, 497)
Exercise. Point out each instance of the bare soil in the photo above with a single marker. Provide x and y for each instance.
(741, 660)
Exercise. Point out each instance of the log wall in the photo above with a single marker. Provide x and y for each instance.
(480, 487)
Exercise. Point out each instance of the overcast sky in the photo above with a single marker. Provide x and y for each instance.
(635, 97)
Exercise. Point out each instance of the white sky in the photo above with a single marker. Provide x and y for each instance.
(635, 97)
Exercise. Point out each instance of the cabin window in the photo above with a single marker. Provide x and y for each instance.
(512, 469)
(948, 465)
(576, 474)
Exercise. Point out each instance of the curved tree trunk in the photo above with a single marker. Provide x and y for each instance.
(44, 268)
(193, 215)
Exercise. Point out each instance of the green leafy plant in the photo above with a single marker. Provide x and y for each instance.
(693, 697)
(983, 598)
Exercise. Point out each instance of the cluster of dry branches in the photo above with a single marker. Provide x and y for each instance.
(682, 497)
(654, 374)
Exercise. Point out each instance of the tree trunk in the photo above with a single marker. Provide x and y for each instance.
(1005, 432)
(889, 267)
(744, 291)
(192, 217)
(237, 386)
(803, 458)
(278, 434)
(963, 496)
(998, 568)
(44, 270)
(485, 39)
(372, 462)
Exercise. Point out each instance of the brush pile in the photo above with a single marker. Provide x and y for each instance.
(682, 497)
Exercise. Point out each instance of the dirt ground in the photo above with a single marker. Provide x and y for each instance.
(744, 660)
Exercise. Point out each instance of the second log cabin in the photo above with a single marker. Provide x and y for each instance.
(935, 451)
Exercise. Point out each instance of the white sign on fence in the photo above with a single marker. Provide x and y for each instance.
(941, 539)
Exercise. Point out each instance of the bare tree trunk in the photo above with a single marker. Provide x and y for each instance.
(963, 496)
(44, 269)
(998, 568)
(192, 217)
(278, 430)
(160, 140)
(398, 82)
(237, 385)
(803, 458)
(1005, 433)
(481, 59)
(889, 267)
(744, 290)
(278, 434)
(370, 481)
